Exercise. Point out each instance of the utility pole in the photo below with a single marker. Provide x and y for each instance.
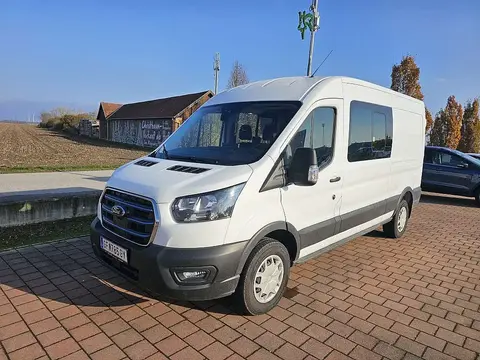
(316, 18)
(216, 69)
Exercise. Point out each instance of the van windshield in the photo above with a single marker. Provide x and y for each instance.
(229, 134)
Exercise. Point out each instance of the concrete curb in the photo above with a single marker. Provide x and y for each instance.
(34, 208)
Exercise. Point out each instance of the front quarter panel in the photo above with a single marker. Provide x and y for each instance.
(255, 210)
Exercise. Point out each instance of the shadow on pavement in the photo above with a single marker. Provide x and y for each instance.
(440, 199)
(66, 273)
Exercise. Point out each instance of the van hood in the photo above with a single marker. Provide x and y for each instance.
(165, 180)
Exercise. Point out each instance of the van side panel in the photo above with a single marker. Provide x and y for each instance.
(408, 148)
(366, 183)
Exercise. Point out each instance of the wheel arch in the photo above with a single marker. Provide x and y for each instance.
(281, 231)
(408, 195)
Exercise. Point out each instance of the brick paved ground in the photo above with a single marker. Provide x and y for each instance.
(371, 299)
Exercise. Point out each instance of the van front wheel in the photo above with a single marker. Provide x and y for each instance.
(264, 277)
(398, 225)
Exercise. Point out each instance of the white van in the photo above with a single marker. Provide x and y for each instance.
(263, 176)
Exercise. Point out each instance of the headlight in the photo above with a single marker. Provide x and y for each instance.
(214, 205)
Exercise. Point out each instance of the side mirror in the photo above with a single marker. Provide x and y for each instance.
(303, 169)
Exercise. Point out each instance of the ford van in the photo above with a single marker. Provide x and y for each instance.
(261, 177)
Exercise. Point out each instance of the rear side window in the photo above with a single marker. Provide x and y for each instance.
(371, 132)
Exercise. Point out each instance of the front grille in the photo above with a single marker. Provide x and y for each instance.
(128, 216)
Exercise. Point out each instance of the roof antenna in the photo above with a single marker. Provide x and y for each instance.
(321, 63)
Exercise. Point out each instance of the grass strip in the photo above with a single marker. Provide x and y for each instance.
(17, 236)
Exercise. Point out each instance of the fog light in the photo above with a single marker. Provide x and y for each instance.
(187, 275)
(201, 275)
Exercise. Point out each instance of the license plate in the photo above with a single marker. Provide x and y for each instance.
(113, 249)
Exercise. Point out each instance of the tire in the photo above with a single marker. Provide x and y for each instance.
(398, 225)
(246, 297)
(477, 196)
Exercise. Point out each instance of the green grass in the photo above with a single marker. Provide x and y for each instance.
(55, 168)
(17, 236)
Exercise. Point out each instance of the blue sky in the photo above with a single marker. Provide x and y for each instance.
(87, 51)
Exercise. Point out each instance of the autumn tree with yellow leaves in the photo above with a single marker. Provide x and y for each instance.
(470, 141)
(447, 127)
(406, 80)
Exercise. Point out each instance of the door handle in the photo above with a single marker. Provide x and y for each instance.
(335, 179)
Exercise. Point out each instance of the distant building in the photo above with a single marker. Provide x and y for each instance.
(147, 123)
(104, 111)
(88, 128)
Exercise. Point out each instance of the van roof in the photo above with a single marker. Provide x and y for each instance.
(294, 88)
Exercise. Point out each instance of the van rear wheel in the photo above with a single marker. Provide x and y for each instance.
(398, 225)
(264, 278)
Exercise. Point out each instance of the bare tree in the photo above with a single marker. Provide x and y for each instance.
(238, 76)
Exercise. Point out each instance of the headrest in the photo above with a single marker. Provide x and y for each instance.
(268, 132)
(245, 132)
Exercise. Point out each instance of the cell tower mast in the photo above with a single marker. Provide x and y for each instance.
(316, 19)
(216, 69)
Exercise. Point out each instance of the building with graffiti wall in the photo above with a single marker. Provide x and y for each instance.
(147, 123)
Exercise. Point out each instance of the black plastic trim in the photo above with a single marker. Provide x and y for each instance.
(276, 177)
(150, 267)
(339, 243)
(279, 225)
(318, 232)
(365, 214)
(417, 194)
(328, 228)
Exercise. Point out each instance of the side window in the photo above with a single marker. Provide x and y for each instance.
(323, 134)
(371, 132)
(317, 132)
(436, 157)
(301, 139)
(451, 160)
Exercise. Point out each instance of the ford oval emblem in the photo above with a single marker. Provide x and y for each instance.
(118, 210)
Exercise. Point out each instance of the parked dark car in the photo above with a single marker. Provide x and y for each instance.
(451, 172)
(476, 156)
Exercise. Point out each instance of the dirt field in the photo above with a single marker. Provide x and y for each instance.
(26, 148)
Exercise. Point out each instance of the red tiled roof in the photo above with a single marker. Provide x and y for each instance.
(109, 108)
(159, 108)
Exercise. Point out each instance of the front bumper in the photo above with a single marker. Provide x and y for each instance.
(151, 266)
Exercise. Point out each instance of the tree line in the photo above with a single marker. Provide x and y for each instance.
(63, 119)
(455, 126)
